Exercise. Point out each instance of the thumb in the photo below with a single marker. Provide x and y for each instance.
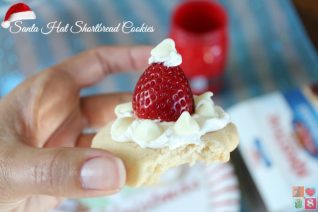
(66, 172)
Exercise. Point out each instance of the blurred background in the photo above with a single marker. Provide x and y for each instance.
(272, 46)
(269, 48)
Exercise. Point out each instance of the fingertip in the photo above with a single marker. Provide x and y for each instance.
(103, 173)
(121, 172)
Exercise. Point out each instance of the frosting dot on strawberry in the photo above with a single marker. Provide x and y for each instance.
(166, 53)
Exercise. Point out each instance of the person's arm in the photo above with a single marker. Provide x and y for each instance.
(44, 116)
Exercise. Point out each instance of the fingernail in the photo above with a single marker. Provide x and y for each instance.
(102, 173)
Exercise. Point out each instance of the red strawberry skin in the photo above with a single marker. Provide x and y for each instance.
(162, 93)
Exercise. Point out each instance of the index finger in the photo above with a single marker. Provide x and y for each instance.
(92, 66)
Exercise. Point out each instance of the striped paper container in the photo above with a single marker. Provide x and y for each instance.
(199, 188)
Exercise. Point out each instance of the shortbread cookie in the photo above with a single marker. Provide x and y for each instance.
(145, 165)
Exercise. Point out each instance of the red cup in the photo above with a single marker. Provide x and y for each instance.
(199, 29)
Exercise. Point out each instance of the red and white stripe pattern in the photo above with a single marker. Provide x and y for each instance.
(207, 188)
(223, 188)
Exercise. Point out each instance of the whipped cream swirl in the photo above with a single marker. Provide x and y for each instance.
(188, 129)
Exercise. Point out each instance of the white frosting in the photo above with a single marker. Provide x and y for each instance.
(166, 53)
(188, 129)
(124, 110)
(186, 125)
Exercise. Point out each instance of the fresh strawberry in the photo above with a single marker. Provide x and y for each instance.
(162, 93)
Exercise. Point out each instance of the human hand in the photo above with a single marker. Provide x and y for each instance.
(44, 116)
